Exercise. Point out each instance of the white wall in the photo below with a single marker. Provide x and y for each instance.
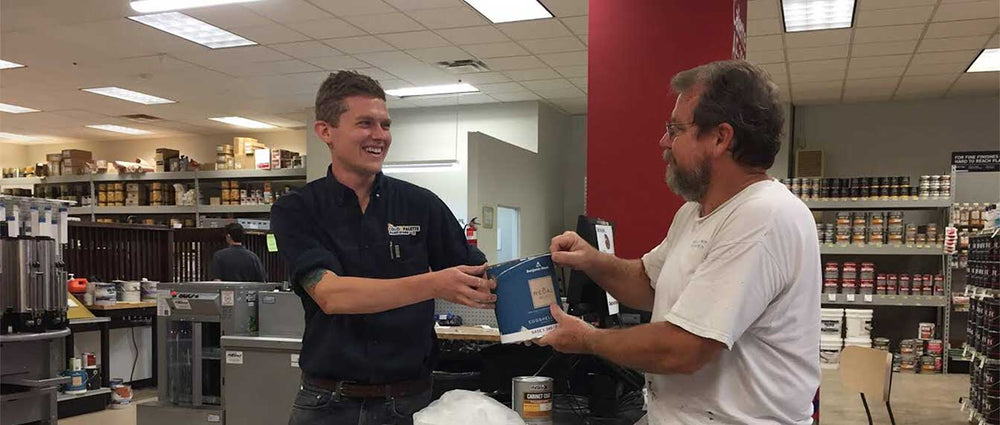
(441, 134)
(574, 168)
(910, 138)
(14, 156)
(122, 351)
(780, 168)
(199, 147)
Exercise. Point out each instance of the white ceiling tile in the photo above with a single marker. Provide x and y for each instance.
(305, 49)
(415, 40)
(816, 77)
(408, 68)
(766, 56)
(883, 49)
(423, 4)
(818, 66)
(473, 35)
(553, 45)
(376, 73)
(515, 96)
(948, 44)
(892, 4)
(353, 7)
(831, 95)
(880, 61)
(475, 99)
(977, 82)
(228, 16)
(553, 84)
(270, 34)
(439, 54)
(868, 95)
(936, 68)
(888, 33)
(576, 24)
(290, 66)
(908, 15)
(363, 44)
(763, 27)
(872, 83)
(914, 83)
(565, 59)
(288, 11)
(335, 63)
(817, 86)
(327, 28)
(945, 57)
(775, 68)
(493, 88)
(572, 106)
(969, 10)
(763, 9)
(453, 17)
(385, 23)
(572, 71)
(994, 42)
(571, 91)
(860, 72)
(580, 83)
(531, 74)
(485, 78)
(539, 28)
(817, 38)
(561, 8)
(495, 50)
(962, 29)
(816, 53)
(764, 43)
(514, 63)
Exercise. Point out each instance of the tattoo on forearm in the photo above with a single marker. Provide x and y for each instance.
(310, 280)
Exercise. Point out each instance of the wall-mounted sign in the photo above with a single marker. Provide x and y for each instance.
(976, 161)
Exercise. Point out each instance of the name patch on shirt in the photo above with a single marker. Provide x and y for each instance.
(403, 230)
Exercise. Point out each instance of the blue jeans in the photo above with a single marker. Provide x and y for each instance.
(317, 406)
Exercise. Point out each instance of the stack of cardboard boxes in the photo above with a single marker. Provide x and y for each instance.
(70, 162)
(167, 159)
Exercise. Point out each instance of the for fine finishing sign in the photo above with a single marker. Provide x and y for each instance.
(976, 161)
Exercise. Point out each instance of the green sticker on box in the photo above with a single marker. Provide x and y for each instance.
(272, 243)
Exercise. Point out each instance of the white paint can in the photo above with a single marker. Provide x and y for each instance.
(531, 397)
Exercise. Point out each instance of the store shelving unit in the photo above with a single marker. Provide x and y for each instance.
(939, 302)
(195, 178)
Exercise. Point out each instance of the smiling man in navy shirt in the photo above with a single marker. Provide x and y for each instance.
(368, 254)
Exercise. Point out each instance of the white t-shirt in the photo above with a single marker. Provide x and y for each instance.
(747, 275)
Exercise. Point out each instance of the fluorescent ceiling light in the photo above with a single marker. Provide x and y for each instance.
(17, 137)
(419, 166)
(150, 6)
(988, 60)
(119, 129)
(9, 65)
(129, 95)
(810, 15)
(243, 122)
(431, 90)
(189, 28)
(500, 11)
(14, 109)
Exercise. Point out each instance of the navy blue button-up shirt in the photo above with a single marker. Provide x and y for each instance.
(404, 231)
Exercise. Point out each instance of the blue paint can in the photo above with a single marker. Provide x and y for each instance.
(525, 289)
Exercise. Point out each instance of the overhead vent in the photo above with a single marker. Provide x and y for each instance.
(143, 118)
(463, 66)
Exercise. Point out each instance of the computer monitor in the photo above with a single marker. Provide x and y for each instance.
(584, 297)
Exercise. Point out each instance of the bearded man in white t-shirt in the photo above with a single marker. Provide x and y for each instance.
(734, 287)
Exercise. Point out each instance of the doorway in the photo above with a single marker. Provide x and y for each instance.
(508, 234)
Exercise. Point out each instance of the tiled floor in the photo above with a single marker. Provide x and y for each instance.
(916, 400)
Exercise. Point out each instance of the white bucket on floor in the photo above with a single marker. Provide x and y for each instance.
(829, 351)
(831, 321)
(859, 323)
(858, 342)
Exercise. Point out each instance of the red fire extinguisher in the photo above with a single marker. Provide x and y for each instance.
(470, 232)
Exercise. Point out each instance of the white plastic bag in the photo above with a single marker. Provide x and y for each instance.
(461, 407)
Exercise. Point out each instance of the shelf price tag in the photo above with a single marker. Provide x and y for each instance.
(831, 297)
(868, 298)
(850, 298)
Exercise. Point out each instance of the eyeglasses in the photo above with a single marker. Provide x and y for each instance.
(674, 129)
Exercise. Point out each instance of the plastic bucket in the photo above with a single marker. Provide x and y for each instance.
(831, 321)
(859, 323)
(829, 351)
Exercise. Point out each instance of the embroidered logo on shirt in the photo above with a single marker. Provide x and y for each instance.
(403, 230)
(699, 244)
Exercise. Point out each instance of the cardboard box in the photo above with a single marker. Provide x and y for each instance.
(247, 162)
(163, 154)
(55, 168)
(53, 157)
(262, 159)
(74, 162)
(77, 153)
(240, 145)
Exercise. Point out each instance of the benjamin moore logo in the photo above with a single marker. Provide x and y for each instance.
(538, 267)
(403, 230)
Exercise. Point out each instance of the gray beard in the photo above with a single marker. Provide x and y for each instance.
(690, 185)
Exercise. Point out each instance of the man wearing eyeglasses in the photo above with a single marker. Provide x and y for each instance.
(734, 287)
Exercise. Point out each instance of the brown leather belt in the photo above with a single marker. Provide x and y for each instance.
(355, 390)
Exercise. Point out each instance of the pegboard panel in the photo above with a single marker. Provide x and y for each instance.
(470, 316)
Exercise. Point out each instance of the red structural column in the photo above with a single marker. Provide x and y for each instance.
(635, 47)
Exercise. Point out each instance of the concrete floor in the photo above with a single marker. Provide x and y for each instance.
(916, 400)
